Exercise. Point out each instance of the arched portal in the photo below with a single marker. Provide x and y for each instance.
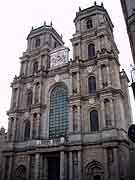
(20, 173)
(94, 171)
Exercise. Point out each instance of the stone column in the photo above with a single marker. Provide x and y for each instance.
(103, 114)
(41, 168)
(62, 177)
(9, 176)
(100, 77)
(12, 96)
(66, 170)
(26, 68)
(106, 168)
(37, 166)
(70, 119)
(17, 97)
(9, 129)
(40, 92)
(3, 168)
(78, 82)
(38, 126)
(79, 117)
(116, 164)
(28, 168)
(34, 89)
(45, 167)
(70, 166)
(106, 42)
(112, 112)
(108, 76)
(31, 127)
(79, 166)
(14, 129)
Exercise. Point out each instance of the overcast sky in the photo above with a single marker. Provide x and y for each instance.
(18, 16)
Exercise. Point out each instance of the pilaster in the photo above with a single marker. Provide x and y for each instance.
(102, 114)
(31, 127)
(112, 112)
(70, 119)
(79, 117)
(79, 166)
(70, 166)
(38, 126)
(108, 76)
(37, 166)
(100, 77)
(9, 129)
(10, 168)
(62, 163)
(116, 164)
(14, 129)
(2, 176)
(28, 168)
(106, 168)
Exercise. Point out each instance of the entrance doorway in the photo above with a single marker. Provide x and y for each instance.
(53, 168)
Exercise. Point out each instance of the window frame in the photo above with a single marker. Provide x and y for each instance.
(91, 51)
(37, 42)
(93, 129)
(92, 87)
(56, 127)
(89, 24)
(27, 130)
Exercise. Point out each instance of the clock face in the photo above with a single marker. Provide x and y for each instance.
(59, 57)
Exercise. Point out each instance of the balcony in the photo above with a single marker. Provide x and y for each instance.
(33, 144)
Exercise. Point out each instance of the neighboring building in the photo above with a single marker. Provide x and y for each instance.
(128, 7)
(3, 136)
(68, 119)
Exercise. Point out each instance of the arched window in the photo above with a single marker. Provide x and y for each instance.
(29, 97)
(37, 87)
(89, 24)
(20, 173)
(92, 85)
(104, 75)
(94, 124)
(27, 130)
(35, 67)
(75, 118)
(107, 113)
(58, 116)
(94, 171)
(91, 51)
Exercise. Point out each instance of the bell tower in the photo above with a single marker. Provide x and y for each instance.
(105, 106)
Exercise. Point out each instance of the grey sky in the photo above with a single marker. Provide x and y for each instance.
(17, 18)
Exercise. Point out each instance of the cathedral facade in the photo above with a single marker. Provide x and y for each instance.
(68, 118)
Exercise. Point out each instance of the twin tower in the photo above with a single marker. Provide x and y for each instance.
(69, 117)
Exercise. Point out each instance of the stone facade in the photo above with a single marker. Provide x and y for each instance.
(68, 118)
(128, 7)
(3, 136)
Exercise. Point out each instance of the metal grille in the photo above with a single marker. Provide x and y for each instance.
(58, 117)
